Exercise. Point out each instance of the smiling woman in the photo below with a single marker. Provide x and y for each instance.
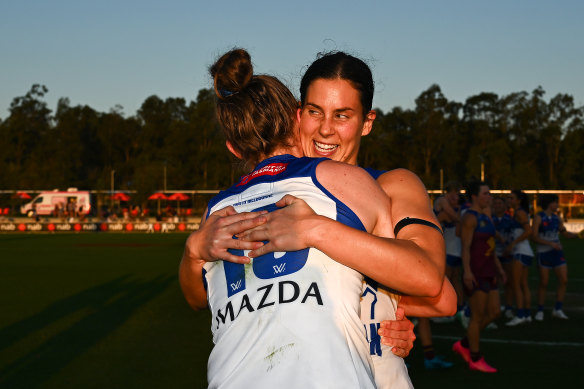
(328, 119)
(337, 112)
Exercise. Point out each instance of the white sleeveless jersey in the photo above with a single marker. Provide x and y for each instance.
(379, 303)
(523, 247)
(287, 320)
(452, 241)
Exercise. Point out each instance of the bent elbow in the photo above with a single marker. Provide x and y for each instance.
(435, 284)
(450, 308)
(196, 304)
(434, 289)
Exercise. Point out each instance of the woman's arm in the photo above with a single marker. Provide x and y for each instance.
(210, 243)
(523, 219)
(409, 198)
(293, 228)
(565, 233)
(442, 305)
(450, 215)
(418, 251)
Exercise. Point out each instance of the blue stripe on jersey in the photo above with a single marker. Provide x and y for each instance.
(374, 173)
(298, 167)
(204, 279)
(344, 214)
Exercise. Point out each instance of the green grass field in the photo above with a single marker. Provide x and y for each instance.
(106, 311)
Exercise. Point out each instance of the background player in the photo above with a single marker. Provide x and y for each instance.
(503, 224)
(522, 254)
(481, 269)
(547, 227)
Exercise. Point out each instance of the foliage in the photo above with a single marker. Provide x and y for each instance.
(521, 139)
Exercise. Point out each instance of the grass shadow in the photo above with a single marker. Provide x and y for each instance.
(109, 305)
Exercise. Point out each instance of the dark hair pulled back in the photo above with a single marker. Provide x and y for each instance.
(340, 65)
(523, 199)
(474, 188)
(545, 199)
(257, 112)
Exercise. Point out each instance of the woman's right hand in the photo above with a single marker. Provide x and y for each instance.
(469, 279)
(283, 230)
(215, 236)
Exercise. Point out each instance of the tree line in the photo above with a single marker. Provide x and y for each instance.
(522, 140)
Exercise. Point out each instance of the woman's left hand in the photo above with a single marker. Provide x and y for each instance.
(398, 333)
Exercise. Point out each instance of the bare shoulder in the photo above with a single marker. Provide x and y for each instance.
(335, 167)
(342, 176)
(354, 187)
(400, 176)
(469, 219)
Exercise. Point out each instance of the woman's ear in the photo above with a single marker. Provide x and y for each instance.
(368, 123)
(232, 149)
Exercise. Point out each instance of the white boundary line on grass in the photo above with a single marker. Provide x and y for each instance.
(523, 342)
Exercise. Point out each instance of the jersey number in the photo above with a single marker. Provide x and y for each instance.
(271, 265)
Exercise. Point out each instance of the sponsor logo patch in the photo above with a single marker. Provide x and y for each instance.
(268, 170)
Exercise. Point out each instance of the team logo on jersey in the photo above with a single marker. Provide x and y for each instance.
(236, 285)
(279, 268)
(268, 170)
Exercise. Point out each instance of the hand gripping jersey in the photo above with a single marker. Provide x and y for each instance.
(549, 229)
(378, 303)
(522, 247)
(287, 320)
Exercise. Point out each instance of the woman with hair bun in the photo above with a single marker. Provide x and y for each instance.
(414, 267)
(281, 317)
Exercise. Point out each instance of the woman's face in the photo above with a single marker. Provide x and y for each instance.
(512, 199)
(453, 197)
(484, 197)
(332, 122)
(499, 206)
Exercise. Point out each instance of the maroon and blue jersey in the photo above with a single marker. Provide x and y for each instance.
(482, 248)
